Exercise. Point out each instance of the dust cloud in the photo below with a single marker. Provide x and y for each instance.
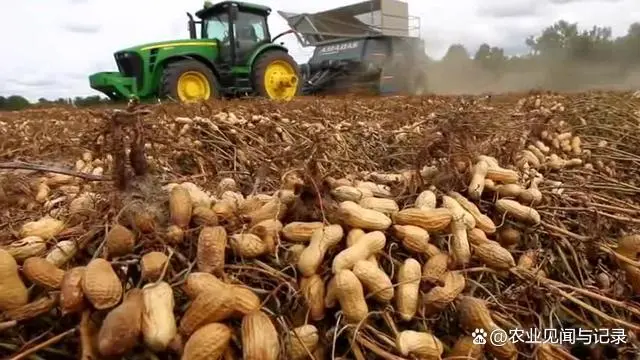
(471, 78)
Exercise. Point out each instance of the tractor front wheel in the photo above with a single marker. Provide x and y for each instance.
(188, 81)
(276, 76)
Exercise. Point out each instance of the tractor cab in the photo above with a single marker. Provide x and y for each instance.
(238, 28)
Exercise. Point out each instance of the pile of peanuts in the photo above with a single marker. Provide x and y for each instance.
(338, 265)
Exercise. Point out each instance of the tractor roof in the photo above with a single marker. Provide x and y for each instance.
(223, 5)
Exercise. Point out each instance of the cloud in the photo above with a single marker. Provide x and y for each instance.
(510, 9)
(75, 76)
(33, 82)
(82, 28)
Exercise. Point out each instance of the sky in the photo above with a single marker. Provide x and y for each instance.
(52, 46)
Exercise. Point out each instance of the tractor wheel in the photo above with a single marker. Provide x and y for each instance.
(276, 76)
(188, 81)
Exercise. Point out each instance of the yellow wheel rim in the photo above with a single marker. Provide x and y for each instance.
(193, 86)
(280, 80)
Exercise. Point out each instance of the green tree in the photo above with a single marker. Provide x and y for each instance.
(490, 58)
(456, 53)
(14, 102)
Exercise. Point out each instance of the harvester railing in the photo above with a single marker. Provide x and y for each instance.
(369, 18)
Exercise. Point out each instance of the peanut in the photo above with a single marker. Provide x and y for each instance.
(518, 211)
(120, 241)
(209, 342)
(210, 252)
(26, 248)
(313, 292)
(366, 246)
(273, 209)
(494, 256)
(43, 273)
(413, 238)
(385, 206)
(158, 322)
(13, 292)
(208, 307)
(62, 252)
(350, 193)
(180, 207)
(45, 228)
(353, 236)
(508, 236)
(71, 295)
(152, 264)
(477, 183)
(101, 285)
(301, 341)
(441, 296)
(247, 245)
(490, 160)
(322, 240)
(459, 243)
(377, 190)
(350, 295)
(260, 338)
(375, 280)
(532, 195)
(482, 221)
(428, 219)
(422, 345)
(426, 200)
(204, 216)
(356, 216)
(505, 176)
(298, 231)
(434, 268)
(122, 326)
(458, 213)
(408, 291)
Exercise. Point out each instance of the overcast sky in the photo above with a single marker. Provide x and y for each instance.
(51, 46)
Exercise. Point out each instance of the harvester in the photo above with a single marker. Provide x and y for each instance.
(373, 45)
(230, 52)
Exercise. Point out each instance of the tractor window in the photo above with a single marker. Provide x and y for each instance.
(256, 23)
(217, 27)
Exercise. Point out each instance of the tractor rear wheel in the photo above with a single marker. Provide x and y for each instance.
(276, 76)
(188, 81)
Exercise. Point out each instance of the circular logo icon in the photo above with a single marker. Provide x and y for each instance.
(498, 337)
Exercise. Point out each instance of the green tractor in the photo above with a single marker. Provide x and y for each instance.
(234, 55)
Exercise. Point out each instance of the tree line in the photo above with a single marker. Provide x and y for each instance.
(18, 102)
(563, 56)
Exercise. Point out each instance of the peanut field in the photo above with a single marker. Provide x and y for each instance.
(348, 227)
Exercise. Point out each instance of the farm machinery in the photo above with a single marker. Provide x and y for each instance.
(372, 45)
(230, 52)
